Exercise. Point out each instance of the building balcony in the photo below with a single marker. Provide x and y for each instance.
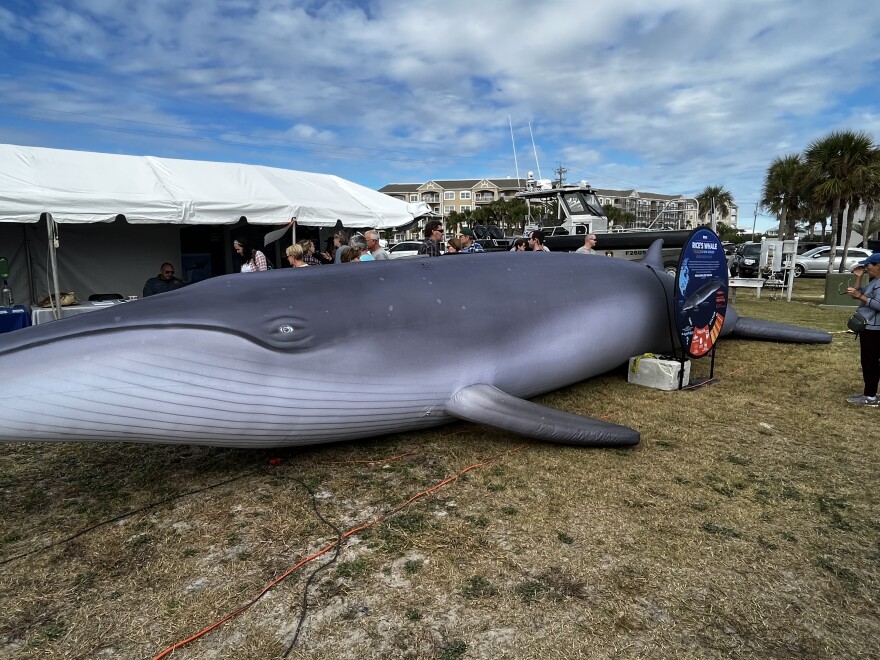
(430, 199)
(484, 198)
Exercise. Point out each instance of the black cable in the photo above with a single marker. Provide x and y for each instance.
(125, 515)
(308, 584)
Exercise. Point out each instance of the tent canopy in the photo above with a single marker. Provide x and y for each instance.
(86, 187)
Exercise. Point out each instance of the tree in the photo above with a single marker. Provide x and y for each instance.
(714, 200)
(841, 166)
(783, 193)
(618, 216)
(870, 225)
(508, 214)
(725, 232)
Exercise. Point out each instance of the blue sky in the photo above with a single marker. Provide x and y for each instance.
(661, 95)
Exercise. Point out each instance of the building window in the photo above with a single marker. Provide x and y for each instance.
(465, 208)
(449, 194)
(414, 197)
(464, 194)
(448, 209)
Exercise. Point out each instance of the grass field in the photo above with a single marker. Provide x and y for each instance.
(746, 524)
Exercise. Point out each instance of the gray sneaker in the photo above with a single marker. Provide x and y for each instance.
(862, 400)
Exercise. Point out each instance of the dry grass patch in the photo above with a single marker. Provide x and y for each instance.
(746, 524)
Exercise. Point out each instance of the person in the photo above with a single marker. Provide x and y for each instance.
(433, 234)
(308, 249)
(326, 256)
(453, 246)
(519, 245)
(589, 244)
(295, 256)
(869, 339)
(359, 242)
(374, 246)
(536, 241)
(164, 281)
(252, 260)
(350, 254)
(468, 244)
(340, 241)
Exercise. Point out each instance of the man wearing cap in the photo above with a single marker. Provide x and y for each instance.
(869, 339)
(468, 244)
(589, 244)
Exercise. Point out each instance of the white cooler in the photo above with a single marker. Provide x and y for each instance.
(657, 373)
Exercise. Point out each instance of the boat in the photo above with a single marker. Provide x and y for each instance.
(579, 213)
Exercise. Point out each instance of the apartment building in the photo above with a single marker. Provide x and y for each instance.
(655, 209)
(445, 196)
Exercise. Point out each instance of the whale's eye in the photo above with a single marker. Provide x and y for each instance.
(286, 329)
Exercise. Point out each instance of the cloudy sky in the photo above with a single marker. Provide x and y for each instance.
(662, 95)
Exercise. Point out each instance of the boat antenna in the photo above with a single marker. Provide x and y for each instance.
(515, 164)
(535, 150)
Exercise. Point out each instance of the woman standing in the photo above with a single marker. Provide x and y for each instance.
(252, 260)
(295, 255)
(869, 339)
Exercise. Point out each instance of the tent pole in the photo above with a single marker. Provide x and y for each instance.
(53, 266)
(30, 266)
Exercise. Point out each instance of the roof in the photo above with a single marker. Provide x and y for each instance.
(87, 187)
(453, 184)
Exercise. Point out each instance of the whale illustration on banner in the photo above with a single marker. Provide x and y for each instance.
(305, 356)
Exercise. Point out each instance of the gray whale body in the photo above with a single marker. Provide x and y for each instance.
(304, 356)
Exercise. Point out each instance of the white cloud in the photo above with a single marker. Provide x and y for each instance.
(672, 96)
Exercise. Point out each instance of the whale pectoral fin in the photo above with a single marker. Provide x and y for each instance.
(488, 405)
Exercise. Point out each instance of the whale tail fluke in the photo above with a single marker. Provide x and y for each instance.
(485, 404)
(775, 331)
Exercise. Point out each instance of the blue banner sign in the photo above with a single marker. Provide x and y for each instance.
(701, 290)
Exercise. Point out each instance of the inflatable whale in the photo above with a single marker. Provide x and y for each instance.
(303, 356)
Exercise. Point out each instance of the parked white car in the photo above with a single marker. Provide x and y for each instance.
(404, 249)
(815, 261)
(409, 249)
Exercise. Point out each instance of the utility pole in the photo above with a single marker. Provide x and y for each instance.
(755, 222)
(560, 175)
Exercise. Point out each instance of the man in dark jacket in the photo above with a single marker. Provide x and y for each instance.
(433, 235)
(164, 281)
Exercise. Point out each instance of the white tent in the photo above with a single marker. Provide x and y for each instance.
(85, 187)
(121, 216)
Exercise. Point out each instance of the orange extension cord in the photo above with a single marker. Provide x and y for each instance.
(326, 549)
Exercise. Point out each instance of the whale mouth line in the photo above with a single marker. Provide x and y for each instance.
(141, 326)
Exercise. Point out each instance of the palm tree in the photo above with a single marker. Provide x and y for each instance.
(714, 200)
(784, 192)
(870, 197)
(841, 164)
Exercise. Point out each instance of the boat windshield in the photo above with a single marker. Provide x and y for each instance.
(583, 203)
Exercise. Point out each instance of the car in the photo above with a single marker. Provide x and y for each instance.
(408, 249)
(744, 261)
(404, 249)
(815, 261)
